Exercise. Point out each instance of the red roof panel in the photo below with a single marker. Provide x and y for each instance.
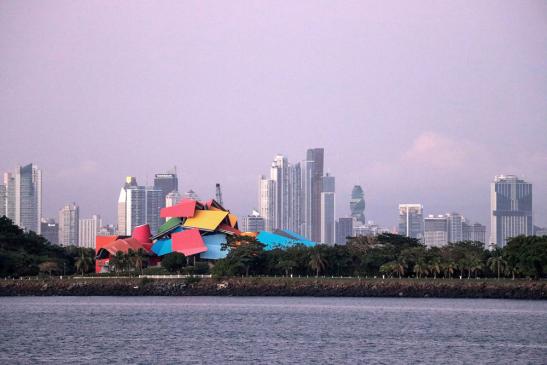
(184, 209)
(188, 242)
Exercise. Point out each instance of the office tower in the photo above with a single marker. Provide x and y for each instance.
(253, 222)
(436, 230)
(267, 198)
(357, 204)
(295, 198)
(454, 226)
(108, 230)
(155, 200)
(88, 229)
(411, 222)
(9, 183)
(511, 206)
(307, 173)
(279, 173)
(3, 200)
(172, 198)
(344, 229)
(24, 197)
(473, 232)
(313, 185)
(328, 225)
(69, 217)
(50, 230)
(166, 183)
(138, 205)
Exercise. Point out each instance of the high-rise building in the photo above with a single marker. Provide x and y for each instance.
(50, 230)
(454, 227)
(155, 200)
(473, 232)
(295, 198)
(9, 183)
(435, 230)
(328, 221)
(24, 197)
(511, 206)
(69, 217)
(344, 229)
(88, 229)
(3, 200)
(307, 174)
(138, 205)
(167, 183)
(279, 173)
(411, 222)
(315, 162)
(267, 198)
(253, 222)
(357, 204)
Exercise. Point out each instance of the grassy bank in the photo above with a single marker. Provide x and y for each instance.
(268, 286)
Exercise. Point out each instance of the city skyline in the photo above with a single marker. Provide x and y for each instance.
(468, 103)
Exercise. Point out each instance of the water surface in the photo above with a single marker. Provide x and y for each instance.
(68, 330)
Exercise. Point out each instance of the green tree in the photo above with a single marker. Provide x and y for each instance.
(317, 262)
(173, 262)
(497, 263)
(84, 262)
(286, 266)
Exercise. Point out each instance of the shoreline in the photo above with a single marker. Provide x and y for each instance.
(280, 286)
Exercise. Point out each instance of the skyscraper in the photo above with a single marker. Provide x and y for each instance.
(167, 183)
(328, 225)
(314, 162)
(68, 225)
(23, 191)
(138, 205)
(155, 200)
(357, 204)
(435, 230)
(50, 230)
(295, 198)
(267, 198)
(411, 222)
(3, 200)
(511, 206)
(88, 229)
(454, 226)
(344, 229)
(279, 173)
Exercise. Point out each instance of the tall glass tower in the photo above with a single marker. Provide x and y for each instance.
(511, 206)
(357, 204)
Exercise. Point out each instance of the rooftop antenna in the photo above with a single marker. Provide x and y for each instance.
(218, 194)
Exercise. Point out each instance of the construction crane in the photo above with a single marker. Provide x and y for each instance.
(219, 194)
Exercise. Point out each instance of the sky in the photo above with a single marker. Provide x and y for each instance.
(418, 102)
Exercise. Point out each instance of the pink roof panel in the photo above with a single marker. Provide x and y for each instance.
(184, 209)
(188, 242)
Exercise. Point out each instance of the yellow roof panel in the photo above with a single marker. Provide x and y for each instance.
(233, 219)
(205, 219)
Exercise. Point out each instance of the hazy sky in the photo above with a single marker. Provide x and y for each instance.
(416, 101)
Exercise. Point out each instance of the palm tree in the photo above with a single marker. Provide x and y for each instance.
(139, 259)
(286, 265)
(83, 262)
(475, 265)
(448, 268)
(496, 263)
(435, 268)
(117, 261)
(317, 262)
(419, 269)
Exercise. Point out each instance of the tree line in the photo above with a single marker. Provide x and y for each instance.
(388, 255)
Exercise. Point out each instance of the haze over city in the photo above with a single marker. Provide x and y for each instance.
(422, 102)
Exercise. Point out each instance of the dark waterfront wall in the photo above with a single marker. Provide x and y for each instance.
(324, 287)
